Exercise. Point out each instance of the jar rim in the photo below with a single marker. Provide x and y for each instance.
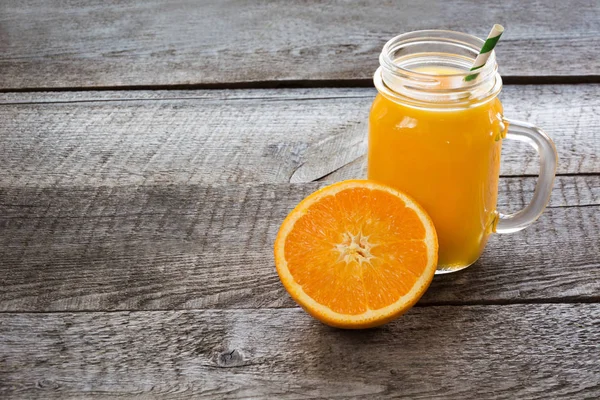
(397, 80)
(462, 39)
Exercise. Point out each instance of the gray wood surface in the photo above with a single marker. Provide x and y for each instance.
(51, 44)
(245, 136)
(190, 246)
(535, 351)
(137, 225)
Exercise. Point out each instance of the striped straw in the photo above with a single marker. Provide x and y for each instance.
(486, 50)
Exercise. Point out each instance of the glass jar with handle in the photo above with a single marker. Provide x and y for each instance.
(438, 137)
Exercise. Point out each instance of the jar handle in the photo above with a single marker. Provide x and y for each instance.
(544, 146)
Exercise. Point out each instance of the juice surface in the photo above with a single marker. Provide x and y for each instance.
(449, 161)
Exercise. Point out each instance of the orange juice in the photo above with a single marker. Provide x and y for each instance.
(448, 159)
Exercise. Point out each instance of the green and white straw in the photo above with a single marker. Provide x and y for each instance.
(486, 50)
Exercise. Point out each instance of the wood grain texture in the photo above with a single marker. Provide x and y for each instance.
(190, 246)
(502, 352)
(53, 44)
(245, 136)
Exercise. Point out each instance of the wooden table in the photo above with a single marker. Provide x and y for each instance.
(149, 151)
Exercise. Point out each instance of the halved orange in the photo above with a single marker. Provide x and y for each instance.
(356, 254)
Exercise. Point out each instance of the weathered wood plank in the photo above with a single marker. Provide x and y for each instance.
(50, 44)
(189, 246)
(504, 352)
(244, 136)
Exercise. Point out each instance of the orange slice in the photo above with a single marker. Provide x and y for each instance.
(356, 254)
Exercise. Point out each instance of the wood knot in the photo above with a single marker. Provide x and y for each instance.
(47, 384)
(230, 358)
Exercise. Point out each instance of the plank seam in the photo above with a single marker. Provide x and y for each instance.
(501, 302)
(300, 83)
(117, 100)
